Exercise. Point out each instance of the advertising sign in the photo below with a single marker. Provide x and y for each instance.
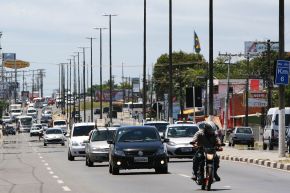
(136, 85)
(254, 48)
(257, 99)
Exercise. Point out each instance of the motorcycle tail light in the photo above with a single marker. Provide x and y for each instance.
(209, 156)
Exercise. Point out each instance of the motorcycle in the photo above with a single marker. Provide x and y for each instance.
(207, 168)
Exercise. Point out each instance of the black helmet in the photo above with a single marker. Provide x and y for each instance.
(207, 127)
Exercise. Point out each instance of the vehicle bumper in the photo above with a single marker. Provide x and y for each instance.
(78, 151)
(243, 141)
(126, 162)
(180, 152)
(99, 157)
(54, 141)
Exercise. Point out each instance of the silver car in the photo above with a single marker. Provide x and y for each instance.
(179, 136)
(53, 136)
(97, 148)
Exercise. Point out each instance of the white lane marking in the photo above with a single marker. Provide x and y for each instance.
(55, 177)
(60, 181)
(227, 186)
(48, 168)
(40, 157)
(46, 164)
(66, 189)
(51, 172)
(183, 175)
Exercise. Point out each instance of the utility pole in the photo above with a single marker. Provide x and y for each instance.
(84, 80)
(79, 85)
(281, 87)
(170, 110)
(210, 64)
(144, 67)
(247, 93)
(229, 57)
(74, 87)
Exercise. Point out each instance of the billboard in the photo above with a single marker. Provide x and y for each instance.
(257, 99)
(136, 85)
(255, 48)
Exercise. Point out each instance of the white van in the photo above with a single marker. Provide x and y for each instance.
(79, 132)
(271, 130)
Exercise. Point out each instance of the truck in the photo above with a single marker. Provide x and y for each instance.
(15, 110)
(59, 120)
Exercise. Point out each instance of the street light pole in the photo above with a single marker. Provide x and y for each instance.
(144, 66)
(210, 64)
(110, 53)
(101, 72)
(84, 80)
(170, 65)
(92, 105)
(79, 86)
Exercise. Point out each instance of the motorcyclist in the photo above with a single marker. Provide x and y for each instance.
(205, 138)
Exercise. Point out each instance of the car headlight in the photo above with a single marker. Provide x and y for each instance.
(98, 149)
(74, 143)
(171, 143)
(161, 151)
(119, 152)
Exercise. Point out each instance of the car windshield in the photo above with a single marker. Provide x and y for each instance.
(82, 130)
(34, 128)
(59, 123)
(102, 135)
(38, 126)
(26, 121)
(182, 131)
(244, 130)
(136, 134)
(5, 117)
(31, 111)
(54, 131)
(16, 111)
(161, 127)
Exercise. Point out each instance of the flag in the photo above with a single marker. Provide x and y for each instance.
(8, 56)
(196, 43)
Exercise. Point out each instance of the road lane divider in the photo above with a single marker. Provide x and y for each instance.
(66, 189)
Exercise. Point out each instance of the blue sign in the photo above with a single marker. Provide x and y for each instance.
(282, 72)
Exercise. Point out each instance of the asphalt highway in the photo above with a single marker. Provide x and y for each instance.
(26, 166)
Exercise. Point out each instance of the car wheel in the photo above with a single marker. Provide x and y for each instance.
(89, 162)
(70, 157)
(161, 170)
(271, 146)
(230, 144)
(110, 168)
(62, 144)
(115, 170)
(265, 146)
(233, 144)
(44, 144)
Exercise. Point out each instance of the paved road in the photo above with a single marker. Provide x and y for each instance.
(27, 166)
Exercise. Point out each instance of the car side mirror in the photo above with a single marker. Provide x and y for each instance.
(166, 140)
(110, 142)
(67, 135)
(86, 141)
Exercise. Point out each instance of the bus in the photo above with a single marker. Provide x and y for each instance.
(133, 108)
(23, 123)
(38, 102)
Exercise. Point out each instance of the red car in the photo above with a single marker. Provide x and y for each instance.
(51, 102)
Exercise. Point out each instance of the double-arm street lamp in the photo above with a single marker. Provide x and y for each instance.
(110, 53)
(101, 72)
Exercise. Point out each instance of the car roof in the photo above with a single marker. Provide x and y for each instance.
(147, 122)
(105, 128)
(83, 124)
(53, 128)
(137, 127)
(181, 125)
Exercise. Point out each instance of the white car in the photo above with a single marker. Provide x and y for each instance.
(53, 136)
(97, 148)
(35, 131)
(32, 112)
(179, 136)
(79, 133)
(160, 126)
(7, 119)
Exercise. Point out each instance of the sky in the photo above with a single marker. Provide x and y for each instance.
(48, 32)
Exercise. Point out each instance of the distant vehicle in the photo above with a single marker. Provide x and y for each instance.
(133, 108)
(38, 102)
(35, 131)
(15, 113)
(97, 148)
(23, 123)
(271, 129)
(242, 135)
(6, 119)
(32, 112)
(137, 147)
(61, 123)
(53, 136)
(79, 132)
(77, 116)
(184, 122)
(179, 136)
(97, 111)
(160, 126)
(9, 130)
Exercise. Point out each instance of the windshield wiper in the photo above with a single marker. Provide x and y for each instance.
(133, 140)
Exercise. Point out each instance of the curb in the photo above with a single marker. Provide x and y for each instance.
(261, 162)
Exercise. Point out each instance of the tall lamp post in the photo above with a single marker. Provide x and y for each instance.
(144, 66)
(210, 64)
(101, 71)
(110, 53)
(84, 80)
(92, 105)
(79, 85)
(170, 65)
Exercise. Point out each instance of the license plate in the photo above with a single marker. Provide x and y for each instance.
(140, 159)
(186, 149)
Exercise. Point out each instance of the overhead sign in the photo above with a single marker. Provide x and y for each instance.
(282, 72)
(8, 56)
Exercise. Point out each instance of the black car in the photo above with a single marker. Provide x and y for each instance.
(137, 147)
(97, 111)
(9, 130)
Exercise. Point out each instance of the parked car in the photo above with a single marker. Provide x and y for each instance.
(9, 130)
(180, 136)
(160, 126)
(97, 148)
(79, 133)
(137, 147)
(6, 119)
(242, 135)
(53, 136)
(34, 131)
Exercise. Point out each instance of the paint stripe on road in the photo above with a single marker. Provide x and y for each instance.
(183, 175)
(51, 172)
(46, 164)
(60, 181)
(55, 177)
(48, 168)
(66, 189)
(40, 157)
